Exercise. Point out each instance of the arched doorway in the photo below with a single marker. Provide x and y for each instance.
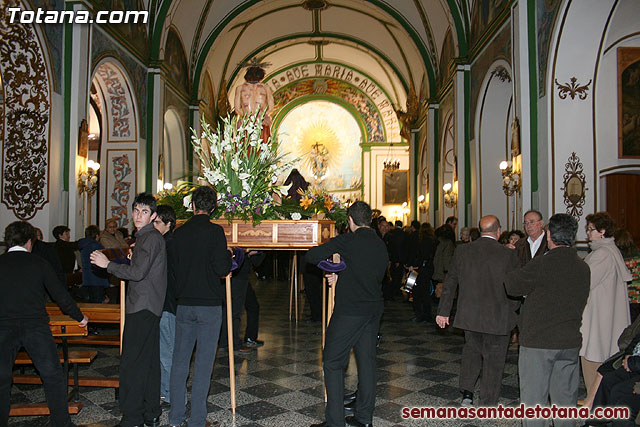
(493, 129)
(173, 158)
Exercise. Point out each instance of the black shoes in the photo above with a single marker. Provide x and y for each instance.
(467, 398)
(322, 424)
(253, 343)
(351, 420)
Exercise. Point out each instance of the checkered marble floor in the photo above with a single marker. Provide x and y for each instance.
(280, 384)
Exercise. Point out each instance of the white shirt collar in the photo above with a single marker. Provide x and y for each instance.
(535, 244)
(17, 249)
(490, 237)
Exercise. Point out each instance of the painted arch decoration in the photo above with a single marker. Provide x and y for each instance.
(24, 117)
(330, 80)
(118, 96)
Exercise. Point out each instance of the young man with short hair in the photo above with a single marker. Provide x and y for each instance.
(200, 258)
(147, 275)
(24, 321)
(165, 223)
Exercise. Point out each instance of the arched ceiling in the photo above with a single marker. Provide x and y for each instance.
(396, 42)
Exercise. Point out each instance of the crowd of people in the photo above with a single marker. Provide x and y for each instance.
(570, 315)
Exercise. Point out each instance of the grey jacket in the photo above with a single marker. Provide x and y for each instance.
(147, 273)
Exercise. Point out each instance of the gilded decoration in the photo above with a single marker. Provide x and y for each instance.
(572, 89)
(27, 109)
(341, 90)
(575, 186)
(408, 118)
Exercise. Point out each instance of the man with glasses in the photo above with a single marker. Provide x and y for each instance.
(535, 244)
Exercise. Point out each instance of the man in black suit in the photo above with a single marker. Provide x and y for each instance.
(24, 320)
(484, 311)
(356, 316)
(199, 259)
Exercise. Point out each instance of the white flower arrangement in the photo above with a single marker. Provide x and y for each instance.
(241, 166)
(296, 216)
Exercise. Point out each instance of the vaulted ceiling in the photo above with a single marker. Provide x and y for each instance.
(396, 42)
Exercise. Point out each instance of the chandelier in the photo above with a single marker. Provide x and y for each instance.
(391, 165)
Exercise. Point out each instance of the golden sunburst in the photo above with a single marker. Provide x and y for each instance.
(318, 147)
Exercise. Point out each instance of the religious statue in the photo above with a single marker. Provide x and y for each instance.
(223, 101)
(319, 159)
(515, 137)
(253, 96)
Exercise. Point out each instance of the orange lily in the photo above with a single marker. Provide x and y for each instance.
(305, 202)
(328, 204)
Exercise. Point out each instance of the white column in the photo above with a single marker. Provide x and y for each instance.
(157, 123)
(522, 108)
(78, 106)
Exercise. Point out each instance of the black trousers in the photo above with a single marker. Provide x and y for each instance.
(313, 290)
(238, 297)
(36, 338)
(422, 300)
(253, 314)
(343, 334)
(488, 353)
(140, 369)
(616, 389)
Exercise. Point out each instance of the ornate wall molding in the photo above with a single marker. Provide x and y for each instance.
(574, 186)
(24, 130)
(573, 89)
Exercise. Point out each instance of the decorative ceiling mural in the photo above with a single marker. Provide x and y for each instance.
(325, 138)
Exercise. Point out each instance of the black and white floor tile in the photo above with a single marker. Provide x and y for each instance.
(281, 385)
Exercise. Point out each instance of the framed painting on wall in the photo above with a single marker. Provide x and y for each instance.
(395, 187)
(629, 102)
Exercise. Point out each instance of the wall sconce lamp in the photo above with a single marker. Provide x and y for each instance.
(510, 178)
(450, 194)
(88, 180)
(423, 203)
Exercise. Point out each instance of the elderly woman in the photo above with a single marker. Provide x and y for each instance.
(110, 237)
(607, 312)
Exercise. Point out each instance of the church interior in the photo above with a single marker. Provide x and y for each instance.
(425, 109)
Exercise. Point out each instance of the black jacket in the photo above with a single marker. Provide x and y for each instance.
(359, 287)
(200, 258)
(25, 280)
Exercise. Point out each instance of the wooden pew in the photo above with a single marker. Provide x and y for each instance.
(97, 313)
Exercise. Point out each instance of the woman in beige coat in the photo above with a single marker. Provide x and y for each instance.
(110, 237)
(606, 314)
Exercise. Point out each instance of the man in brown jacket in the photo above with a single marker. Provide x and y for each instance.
(485, 313)
(557, 287)
(536, 243)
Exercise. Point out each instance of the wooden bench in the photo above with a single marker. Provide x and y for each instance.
(29, 409)
(97, 313)
(74, 357)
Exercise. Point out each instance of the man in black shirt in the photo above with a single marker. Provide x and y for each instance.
(24, 320)
(200, 258)
(356, 316)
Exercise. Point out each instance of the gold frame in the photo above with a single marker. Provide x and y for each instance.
(385, 199)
